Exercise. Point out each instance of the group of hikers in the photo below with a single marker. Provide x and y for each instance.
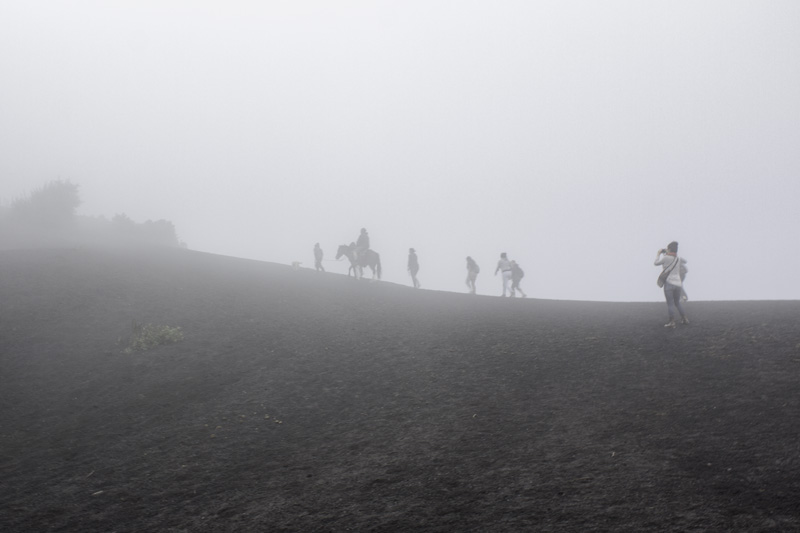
(671, 278)
(512, 274)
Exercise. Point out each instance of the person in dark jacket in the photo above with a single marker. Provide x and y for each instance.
(362, 244)
(516, 277)
(318, 258)
(472, 274)
(413, 266)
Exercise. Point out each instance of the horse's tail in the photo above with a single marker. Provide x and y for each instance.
(378, 256)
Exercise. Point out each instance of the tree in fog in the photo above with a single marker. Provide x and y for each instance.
(50, 206)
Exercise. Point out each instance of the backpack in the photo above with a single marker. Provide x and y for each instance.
(477, 269)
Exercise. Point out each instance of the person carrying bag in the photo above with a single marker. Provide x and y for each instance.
(670, 280)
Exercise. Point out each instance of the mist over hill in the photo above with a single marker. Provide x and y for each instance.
(298, 400)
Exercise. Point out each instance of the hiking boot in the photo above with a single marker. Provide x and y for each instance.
(684, 321)
(670, 324)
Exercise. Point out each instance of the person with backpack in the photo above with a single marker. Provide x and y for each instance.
(504, 265)
(516, 276)
(472, 274)
(670, 280)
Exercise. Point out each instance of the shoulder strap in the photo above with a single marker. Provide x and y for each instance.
(674, 263)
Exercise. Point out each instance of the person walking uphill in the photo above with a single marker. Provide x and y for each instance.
(504, 265)
(516, 276)
(670, 279)
(318, 258)
(413, 266)
(472, 274)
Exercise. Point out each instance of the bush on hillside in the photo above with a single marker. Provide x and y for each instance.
(50, 206)
(160, 232)
(148, 336)
(47, 218)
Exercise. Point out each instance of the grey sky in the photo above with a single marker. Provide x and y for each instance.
(579, 137)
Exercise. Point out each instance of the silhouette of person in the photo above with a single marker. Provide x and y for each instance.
(472, 274)
(504, 265)
(318, 258)
(362, 243)
(516, 276)
(413, 266)
(673, 286)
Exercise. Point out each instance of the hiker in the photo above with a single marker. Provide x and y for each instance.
(318, 258)
(516, 276)
(362, 244)
(413, 266)
(670, 279)
(504, 265)
(472, 273)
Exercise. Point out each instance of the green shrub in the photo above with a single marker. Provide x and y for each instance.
(145, 337)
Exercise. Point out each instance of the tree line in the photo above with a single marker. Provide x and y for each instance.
(47, 217)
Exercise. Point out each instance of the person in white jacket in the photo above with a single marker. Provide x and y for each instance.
(504, 265)
(673, 286)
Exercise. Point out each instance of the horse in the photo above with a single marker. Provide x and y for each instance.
(368, 258)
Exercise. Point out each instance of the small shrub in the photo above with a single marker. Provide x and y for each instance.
(145, 337)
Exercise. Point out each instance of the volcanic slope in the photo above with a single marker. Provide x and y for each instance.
(300, 401)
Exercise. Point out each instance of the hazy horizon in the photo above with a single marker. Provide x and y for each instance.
(577, 137)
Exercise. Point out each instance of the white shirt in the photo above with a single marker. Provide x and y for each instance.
(674, 277)
(503, 264)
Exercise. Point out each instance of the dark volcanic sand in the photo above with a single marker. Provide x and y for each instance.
(311, 402)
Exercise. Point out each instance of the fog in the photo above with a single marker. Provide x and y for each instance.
(578, 137)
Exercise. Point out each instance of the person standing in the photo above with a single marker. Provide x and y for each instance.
(413, 266)
(472, 274)
(670, 278)
(504, 265)
(318, 258)
(516, 276)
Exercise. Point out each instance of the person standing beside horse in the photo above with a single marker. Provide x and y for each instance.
(670, 279)
(413, 266)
